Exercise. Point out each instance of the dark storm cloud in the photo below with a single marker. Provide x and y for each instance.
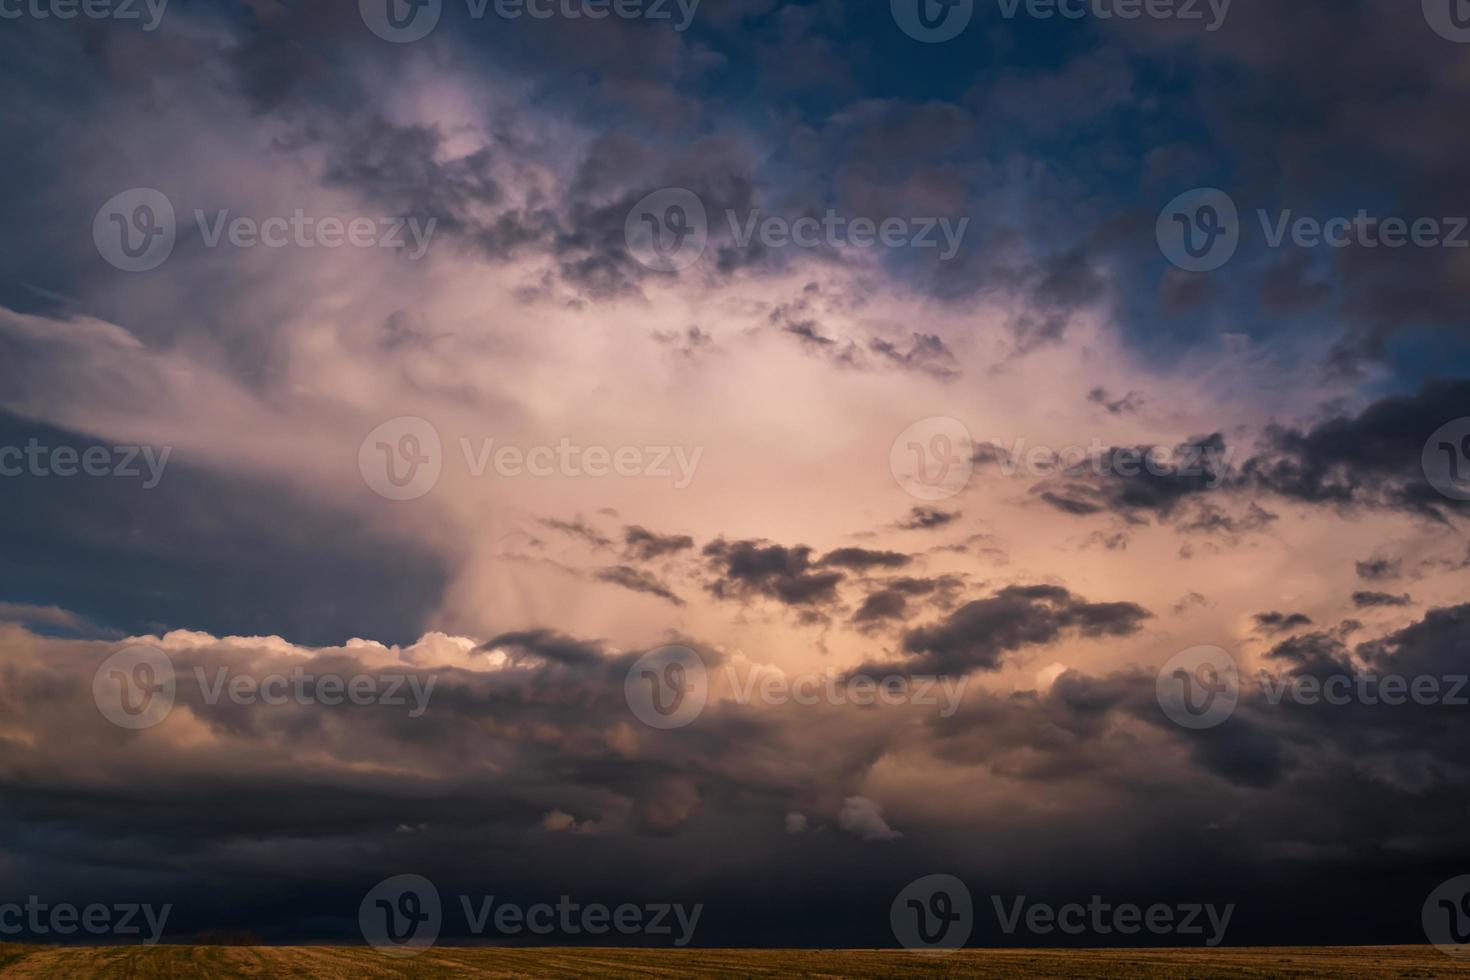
(1379, 569)
(1373, 459)
(577, 528)
(864, 559)
(1276, 622)
(1128, 404)
(979, 634)
(892, 601)
(923, 518)
(474, 779)
(1365, 600)
(206, 550)
(638, 581)
(1369, 460)
(926, 353)
(1138, 483)
(641, 544)
(747, 569)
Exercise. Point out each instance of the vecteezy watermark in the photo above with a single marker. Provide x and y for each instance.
(1207, 462)
(934, 21)
(1200, 230)
(833, 230)
(1198, 688)
(403, 21)
(1211, 13)
(933, 458)
(90, 9)
(136, 230)
(1450, 19)
(403, 916)
(38, 460)
(1367, 688)
(934, 912)
(1100, 918)
(668, 230)
(403, 458)
(137, 688)
(773, 687)
(667, 688)
(1446, 917)
(36, 918)
(1446, 459)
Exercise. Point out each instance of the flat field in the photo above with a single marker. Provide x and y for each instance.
(147, 962)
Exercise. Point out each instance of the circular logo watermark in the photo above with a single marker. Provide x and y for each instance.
(932, 21)
(1446, 917)
(400, 21)
(135, 230)
(1199, 230)
(402, 458)
(933, 912)
(135, 687)
(1446, 459)
(667, 230)
(1450, 19)
(933, 458)
(1198, 688)
(667, 688)
(401, 915)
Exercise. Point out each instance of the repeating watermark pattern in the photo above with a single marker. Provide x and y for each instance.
(36, 919)
(834, 230)
(934, 912)
(1367, 688)
(932, 21)
(150, 12)
(1208, 462)
(1198, 688)
(403, 459)
(936, 21)
(1446, 459)
(933, 458)
(1210, 13)
(1450, 19)
(403, 916)
(1446, 917)
(136, 230)
(771, 687)
(1100, 918)
(137, 688)
(568, 918)
(1200, 230)
(36, 459)
(297, 686)
(404, 21)
(667, 688)
(668, 230)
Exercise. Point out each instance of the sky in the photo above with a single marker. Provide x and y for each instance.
(624, 391)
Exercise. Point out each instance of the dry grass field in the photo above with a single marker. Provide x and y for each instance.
(147, 962)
